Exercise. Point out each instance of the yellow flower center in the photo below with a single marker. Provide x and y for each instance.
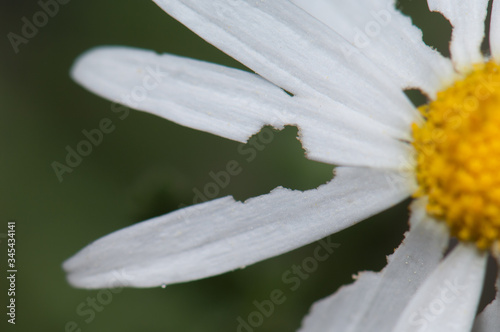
(458, 156)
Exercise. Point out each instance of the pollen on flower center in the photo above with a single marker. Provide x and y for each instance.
(458, 156)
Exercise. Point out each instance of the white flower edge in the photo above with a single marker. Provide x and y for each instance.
(221, 235)
(489, 319)
(467, 18)
(495, 30)
(299, 84)
(388, 38)
(235, 104)
(375, 300)
(448, 299)
(298, 53)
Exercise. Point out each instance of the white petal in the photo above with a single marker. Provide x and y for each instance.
(388, 38)
(495, 30)
(467, 18)
(448, 299)
(285, 45)
(489, 319)
(234, 104)
(222, 235)
(375, 300)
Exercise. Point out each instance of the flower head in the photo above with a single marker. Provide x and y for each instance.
(347, 101)
(458, 149)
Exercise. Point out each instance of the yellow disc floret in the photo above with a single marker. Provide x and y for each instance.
(458, 156)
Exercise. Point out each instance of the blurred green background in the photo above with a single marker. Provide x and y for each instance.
(146, 167)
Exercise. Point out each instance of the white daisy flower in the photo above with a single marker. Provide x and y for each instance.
(345, 65)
